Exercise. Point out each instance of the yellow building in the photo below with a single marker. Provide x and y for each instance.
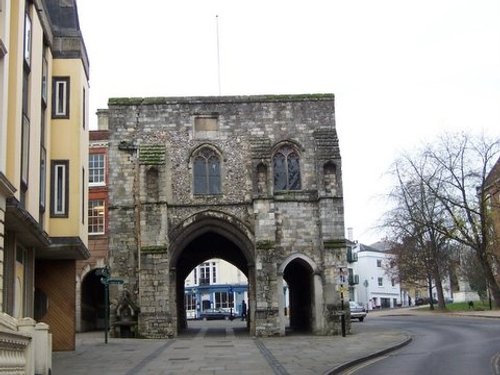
(43, 163)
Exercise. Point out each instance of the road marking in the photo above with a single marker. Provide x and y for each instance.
(277, 367)
(495, 364)
(354, 369)
(145, 361)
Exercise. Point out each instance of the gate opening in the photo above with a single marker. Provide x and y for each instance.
(298, 274)
(92, 303)
(204, 284)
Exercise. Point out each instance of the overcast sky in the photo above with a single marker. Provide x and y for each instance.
(402, 71)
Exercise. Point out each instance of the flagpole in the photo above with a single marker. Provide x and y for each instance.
(218, 53)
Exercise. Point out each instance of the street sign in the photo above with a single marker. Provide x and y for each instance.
(115, 281)
(342, 288)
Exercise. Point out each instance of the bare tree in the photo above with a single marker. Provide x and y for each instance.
(420, 252)
(464, 163)
(452, 172)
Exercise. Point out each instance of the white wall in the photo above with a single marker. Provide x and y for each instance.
(226, 274)
(369, 273)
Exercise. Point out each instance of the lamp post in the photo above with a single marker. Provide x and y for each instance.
(231, 302)
(365, 284)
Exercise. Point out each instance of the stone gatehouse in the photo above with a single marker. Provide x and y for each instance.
(254, 180)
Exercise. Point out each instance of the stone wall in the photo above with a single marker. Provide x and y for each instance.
(151, 149)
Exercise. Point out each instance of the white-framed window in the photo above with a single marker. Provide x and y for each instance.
(205, 273)
(25, 152)
(224, 300)
(84, 108)
(83, 196)
(96, 216)
(190, 301)
(96, 170)
(214, 273)
(60, 188)
(380, 281)
(27, 38)
(43, 176)
(60, 100)
(45, 75)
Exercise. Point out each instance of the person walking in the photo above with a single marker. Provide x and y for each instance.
(243, 310)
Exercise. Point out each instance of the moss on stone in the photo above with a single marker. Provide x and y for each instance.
(250, 98)
(265, 245)
(152, 154)
(154, 249)
(334, 244)
(125, 101)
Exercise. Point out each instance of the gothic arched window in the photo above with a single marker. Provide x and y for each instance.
(286, 165)
(206, 172)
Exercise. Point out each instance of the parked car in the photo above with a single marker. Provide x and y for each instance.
(424, 301)
(358, 311)
(213, 314)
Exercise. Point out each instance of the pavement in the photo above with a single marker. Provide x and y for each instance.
(224, 347)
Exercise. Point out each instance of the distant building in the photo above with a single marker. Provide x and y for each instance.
(372, 286)
(43, 172)
(215, 284)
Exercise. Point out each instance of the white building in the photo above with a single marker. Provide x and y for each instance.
(215, 284)
(369, 283)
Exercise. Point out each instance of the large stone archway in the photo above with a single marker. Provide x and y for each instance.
(253, 180)
(207, 235)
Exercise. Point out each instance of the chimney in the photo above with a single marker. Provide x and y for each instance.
(102, 119)
(350, 234)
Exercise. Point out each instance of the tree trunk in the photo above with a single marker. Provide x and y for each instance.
(493, 285)
(431, 300)
(490, 277)
(439, 289)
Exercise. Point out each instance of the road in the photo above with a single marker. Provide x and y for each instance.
(441, 345)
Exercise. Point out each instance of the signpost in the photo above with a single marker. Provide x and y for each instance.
(342, 281)
(106, 280)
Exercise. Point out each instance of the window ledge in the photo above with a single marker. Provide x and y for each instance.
(97, 184)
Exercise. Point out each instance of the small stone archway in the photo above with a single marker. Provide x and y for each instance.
(91, 306)
(210, 234)
(305, 294)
